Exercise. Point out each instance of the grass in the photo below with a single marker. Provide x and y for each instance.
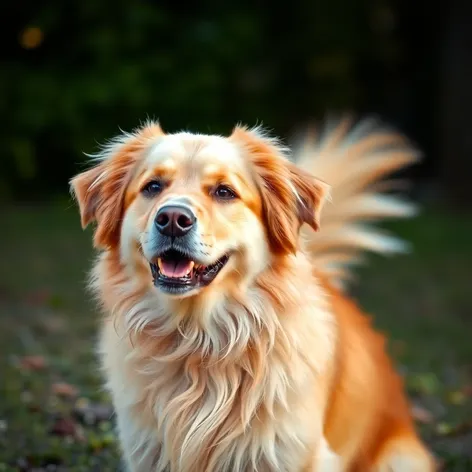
(54, 415)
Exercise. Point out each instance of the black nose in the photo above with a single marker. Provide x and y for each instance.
(174, 220)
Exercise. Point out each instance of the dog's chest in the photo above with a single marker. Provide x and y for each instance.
(204, 417)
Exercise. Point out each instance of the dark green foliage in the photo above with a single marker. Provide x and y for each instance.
(98, 66)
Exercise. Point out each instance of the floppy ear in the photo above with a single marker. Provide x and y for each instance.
(100, 191)
(290, 196)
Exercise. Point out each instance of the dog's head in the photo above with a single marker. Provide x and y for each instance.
(191, 212)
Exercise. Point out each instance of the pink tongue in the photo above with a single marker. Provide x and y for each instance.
(175, 269)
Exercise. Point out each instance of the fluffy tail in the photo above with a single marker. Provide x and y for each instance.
(355, 160)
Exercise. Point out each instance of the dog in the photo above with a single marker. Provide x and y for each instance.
(229, 341)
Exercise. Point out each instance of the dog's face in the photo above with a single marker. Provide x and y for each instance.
(194, 211)
(189, 212)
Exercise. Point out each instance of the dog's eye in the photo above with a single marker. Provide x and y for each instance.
(223, 192)
(152, 188)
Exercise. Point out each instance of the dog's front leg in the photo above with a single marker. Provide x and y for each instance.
(140, 449)
(326, 460)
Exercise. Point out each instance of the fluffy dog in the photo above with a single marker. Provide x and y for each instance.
(229, 343)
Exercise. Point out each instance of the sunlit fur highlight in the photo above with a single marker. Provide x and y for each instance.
(354, 159)
(270, 369)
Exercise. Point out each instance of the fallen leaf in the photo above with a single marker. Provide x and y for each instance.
(67, 427)
(422, 415)
(33, 363)
(63, 389)
(64, 427)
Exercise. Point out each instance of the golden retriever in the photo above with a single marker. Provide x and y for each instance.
(229, 343)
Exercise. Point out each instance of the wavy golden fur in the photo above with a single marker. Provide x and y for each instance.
(270, 367)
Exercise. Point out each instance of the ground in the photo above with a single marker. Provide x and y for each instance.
(55, 416)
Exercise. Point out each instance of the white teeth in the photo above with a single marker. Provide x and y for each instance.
(159, 263)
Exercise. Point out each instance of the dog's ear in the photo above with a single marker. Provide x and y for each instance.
(310, 193)
(100, 191)
(290, 196)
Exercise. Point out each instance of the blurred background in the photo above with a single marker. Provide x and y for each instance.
(73, 73)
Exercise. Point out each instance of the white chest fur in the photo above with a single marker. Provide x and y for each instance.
(191, 414)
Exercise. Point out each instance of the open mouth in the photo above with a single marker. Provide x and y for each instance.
(174, 272)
